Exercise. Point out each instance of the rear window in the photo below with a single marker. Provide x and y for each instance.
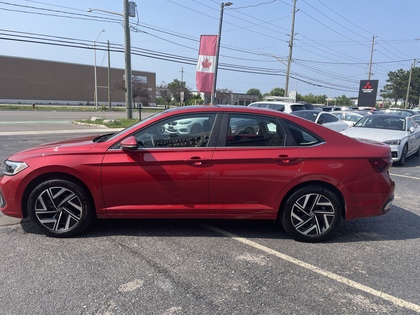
(296, 107)
(276, 107)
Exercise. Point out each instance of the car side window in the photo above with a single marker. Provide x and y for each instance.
(179, 131)
(328, 118)
(254, 130)
(303, 137)
(410, 123)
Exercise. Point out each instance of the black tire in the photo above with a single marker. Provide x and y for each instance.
(60, 208)
(403, 158)
(311, 214)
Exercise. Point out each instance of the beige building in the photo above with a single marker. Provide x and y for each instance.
(30, 81)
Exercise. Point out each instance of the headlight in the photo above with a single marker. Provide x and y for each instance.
(12, 168)
(393, 142)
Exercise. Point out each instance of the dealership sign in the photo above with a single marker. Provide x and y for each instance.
(367, 93)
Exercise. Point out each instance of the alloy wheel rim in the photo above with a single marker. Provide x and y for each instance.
(312, 214)
(58, 209)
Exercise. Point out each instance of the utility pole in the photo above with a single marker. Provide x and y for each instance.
(409, 83)
(109, 77)
(216, 62)
(371, 57)
(289, 59)
(127, 52)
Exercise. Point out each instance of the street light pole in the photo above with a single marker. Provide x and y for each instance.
(216, 64)
(96, 79)
(127, 53)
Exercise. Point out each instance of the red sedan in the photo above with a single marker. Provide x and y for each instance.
(203, 162)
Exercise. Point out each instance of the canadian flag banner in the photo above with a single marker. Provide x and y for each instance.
(206, 63)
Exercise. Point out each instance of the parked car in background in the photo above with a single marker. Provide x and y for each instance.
(279, 106)
(399, 111)
(332, 108)
(308, 105)
(349, 117)
(285, 168)
(322, 118)
(401, 133)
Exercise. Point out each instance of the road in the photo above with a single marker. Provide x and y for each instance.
(176, 267)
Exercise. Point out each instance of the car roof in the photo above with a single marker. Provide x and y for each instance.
(388, 115)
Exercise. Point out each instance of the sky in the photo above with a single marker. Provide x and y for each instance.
(333, 42)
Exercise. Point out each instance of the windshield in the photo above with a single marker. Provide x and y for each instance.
(296, 107)
(382, 122)
(134, 126)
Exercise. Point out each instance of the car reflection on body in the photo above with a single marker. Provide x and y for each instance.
(323, 118)
(287, 169)
(416, 119)
(401, 133)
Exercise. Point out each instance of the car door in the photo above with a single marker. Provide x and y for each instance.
(251, 167)
(167, 174)
(413, 137)
(332, 122)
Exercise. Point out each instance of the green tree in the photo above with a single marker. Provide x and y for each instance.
(223, 96)
(396, 87)
(195, 100)
(277, 92)
(255, 92)
(313, 99)
(343, 100)
(165, 94)
(176, 87)
(414, 94)
(141, 92)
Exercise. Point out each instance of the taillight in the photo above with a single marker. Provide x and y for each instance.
(381, 165)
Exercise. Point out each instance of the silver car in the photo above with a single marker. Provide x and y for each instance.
(401, 133)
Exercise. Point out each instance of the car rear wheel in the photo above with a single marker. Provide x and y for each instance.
(311, 214)
(61, 208)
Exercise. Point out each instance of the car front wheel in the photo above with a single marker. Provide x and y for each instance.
(403, 158)
(61, 208)
(311, 214)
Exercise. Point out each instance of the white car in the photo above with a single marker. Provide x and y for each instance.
(280, 106)
(323, 118)
(187, 126)
(401, 133)
(349, 117)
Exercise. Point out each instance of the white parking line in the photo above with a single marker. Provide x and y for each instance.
(405, 176)
(397, 301)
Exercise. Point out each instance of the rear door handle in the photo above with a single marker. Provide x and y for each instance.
(285, 159)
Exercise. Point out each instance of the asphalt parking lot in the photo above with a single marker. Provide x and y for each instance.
(370, 266)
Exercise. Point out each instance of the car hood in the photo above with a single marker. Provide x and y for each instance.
(380, 135)
(73, 146)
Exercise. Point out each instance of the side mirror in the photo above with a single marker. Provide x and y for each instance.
(129, 143)
(321, 121)
(412, 129)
